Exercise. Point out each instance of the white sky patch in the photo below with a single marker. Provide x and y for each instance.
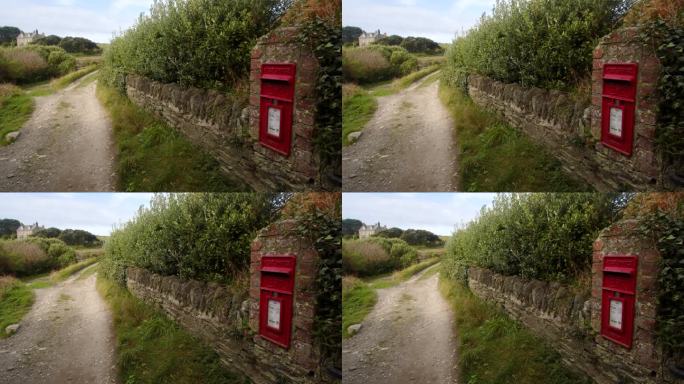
(436, 20)
(97, 213)
(97, 21)
(439, 213)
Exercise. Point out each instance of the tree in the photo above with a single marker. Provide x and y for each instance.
(78, 45)
(8, 35)
(350, 227)
(391, 40)
(8, 227)
(79, 237)
(391, 233)
(421, 237)
(48, 40)
(50, 233)
(350, 35)
(421, 45)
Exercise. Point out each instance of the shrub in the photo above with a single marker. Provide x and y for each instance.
(203, 236)
(376, 255)
(203, 43)
(545, 236)
(376, 63)
(536, 42)
(23, 258)
(34, 63)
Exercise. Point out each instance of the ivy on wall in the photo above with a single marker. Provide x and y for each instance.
(325, 40)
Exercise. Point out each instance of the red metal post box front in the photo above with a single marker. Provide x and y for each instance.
(617, 299)
(617, 106)
(275, 299)
(275, 111)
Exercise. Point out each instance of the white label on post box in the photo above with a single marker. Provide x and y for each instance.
(274, 122)
(616, 122)
(274, 314)
(616, 314)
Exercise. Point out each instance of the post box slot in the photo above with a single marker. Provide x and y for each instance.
(628, 271)
(284, 270)
(285, 78)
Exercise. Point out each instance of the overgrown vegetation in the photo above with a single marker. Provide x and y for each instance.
(495, 157)
(153, 349)
(494, 349)
(16, 299)
(376, 63)
(15, 109)
(154, 157)
(358, 107)
(358, 299)
(203, 43)
(376, 255)
(536, 42)
(546, 236)
(34, 256)
(202, 236)
(34, 63)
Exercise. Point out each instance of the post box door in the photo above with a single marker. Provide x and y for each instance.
(617, 106)
(276, 106)
(618, 299)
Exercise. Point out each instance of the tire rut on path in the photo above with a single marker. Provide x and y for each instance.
(408, 145)
(67, 337)
(66, 145)
(407, 338)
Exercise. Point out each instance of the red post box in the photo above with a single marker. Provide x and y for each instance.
(617, 106)
(275, 299)
(275, 112)
(617, 299)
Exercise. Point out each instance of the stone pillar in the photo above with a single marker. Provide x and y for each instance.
(644, 166)
(641, 363)
(300, 170)
(301, 362)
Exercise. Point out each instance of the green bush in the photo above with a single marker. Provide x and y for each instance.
(203, 236)
(33, 256)
(376, 255)
(34, 63)
(204, 43)
(546, 236)
(376, 63)
(544, 43)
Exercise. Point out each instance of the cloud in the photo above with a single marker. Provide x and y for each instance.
(437, 212)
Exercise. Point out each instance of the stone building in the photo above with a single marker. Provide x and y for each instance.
(25, 231)
(27, 38)
(370, 230)
(370, 38)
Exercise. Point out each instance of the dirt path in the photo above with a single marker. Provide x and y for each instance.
(407, 146)
(407, 338)
(67, 337)
(66, 145)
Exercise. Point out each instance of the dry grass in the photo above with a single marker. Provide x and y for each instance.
(31, 254)
(303, 10)
(7, 282)
(7, 90)
(648, 10)
(24, 64)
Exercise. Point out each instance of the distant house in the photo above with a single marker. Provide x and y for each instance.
(370, 230)
(25, 231)
(27, 38)
(370, 38)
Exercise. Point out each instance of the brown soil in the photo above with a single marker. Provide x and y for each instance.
(407, 146)
(407, 338)
(67, 337)
(66, 145)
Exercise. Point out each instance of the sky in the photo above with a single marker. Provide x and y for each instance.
(438, 20)
(96, 213)
(93, 19)
(438, 213)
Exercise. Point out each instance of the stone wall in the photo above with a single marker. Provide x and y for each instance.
(228, 318)
(570, 320)
(570, 129)
(227, 124)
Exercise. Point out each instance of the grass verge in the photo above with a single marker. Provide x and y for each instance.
(154, 157)
(494, 349)
(496, 157)
(67, 79)
(358, 299)
(16, 299)
(64, 273)
(15, 109)
(403, 275)
(153, 349)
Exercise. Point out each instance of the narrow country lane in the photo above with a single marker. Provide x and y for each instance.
(407, 338)
(67, 337)
(66, 145)
(407, 146)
